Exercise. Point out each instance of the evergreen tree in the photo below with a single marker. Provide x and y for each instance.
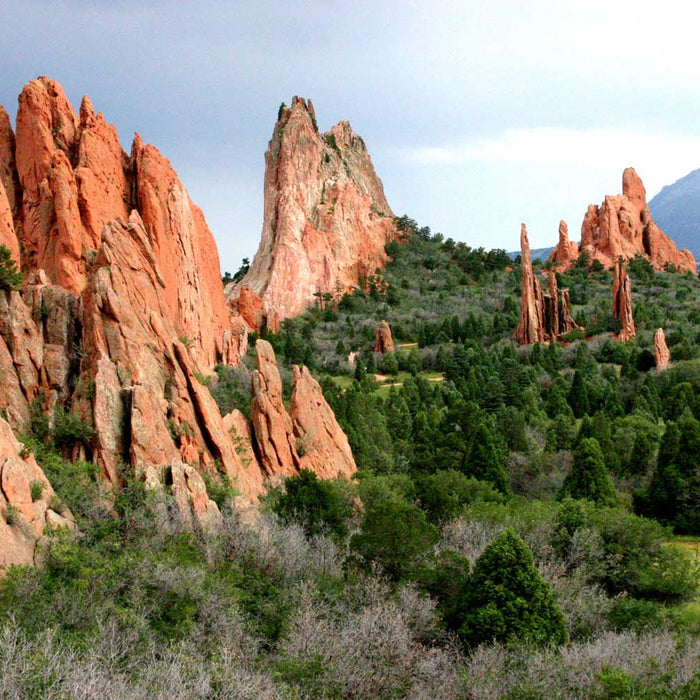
(484, 462)
(506, 600)
(360, 371)
(10, 278)
(588, 477)
(578, 395)
(666, 483)
(397, 537)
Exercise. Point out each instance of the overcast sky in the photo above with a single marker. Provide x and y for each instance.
(478, 115)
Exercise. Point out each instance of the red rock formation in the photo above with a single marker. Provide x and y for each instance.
(622, 302)
(125, 317)
(622, 226)
(384, 340)
(661, 351)
(76, 178)
(531, 327)
(272, 426)
(24, 519)
(566, 250)
(321, 442)
(326, 219)
(557, 309)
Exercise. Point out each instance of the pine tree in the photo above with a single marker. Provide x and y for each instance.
(10, 278)
(484, 462)
(578, 395)
(588, 477)
(666, 482)
(506, 600)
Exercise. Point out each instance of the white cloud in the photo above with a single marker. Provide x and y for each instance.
(658, 158)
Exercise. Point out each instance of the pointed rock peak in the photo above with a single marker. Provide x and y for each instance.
(44, 104)
(137, 144)
(563, 232)
(633, 188)
(524, 243)
(87, 111)
(384, 342)
(622, 301)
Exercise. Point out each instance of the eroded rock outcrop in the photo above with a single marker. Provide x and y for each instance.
(531, 327)
(321, 443)
(28, 507)
(543, 317)
(622, 226)
(326, 219)
(622, 302)
(306, 437)
(662, 354)
(121, 315)
(75, 178)
(384, 341)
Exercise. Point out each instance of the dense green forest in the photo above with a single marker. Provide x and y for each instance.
(523, 523)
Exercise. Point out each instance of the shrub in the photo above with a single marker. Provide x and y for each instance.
(10, 278)
(36, 488)
(506, 599)
(396, 537)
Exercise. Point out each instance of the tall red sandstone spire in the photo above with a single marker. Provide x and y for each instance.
(531, 327)
(326, 219)
(622, 302)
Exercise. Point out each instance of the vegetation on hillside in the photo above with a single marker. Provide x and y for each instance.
(511, 531)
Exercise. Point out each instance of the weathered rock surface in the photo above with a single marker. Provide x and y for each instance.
(26, 503)
(75, 179)
(543, 317)
(322, 444)
(384, 340)
(622, 226)
(565, 250)
(662, 354)
(622, 302)
(531, 327)
(272, 426)
(121, 314)
(326, 219)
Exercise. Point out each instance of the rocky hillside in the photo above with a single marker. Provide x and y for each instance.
(120, 318)
(326, 219)
(677, 210)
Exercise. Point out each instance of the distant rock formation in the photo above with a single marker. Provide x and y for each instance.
(384, 341)
(662, 354)
(622, 226)
(622, 302)
(543, 317)
(326, 220)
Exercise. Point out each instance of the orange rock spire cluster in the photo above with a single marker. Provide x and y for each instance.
(326, 220)
(622, 226)
(543, 317)
(122, 312)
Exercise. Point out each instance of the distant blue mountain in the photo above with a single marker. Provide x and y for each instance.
(535, 254)
(676, 209)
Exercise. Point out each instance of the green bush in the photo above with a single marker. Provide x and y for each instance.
(506, 600)
(10, 278)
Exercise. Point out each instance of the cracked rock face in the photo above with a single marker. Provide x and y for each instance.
(121, 317)
(326, 219)
(622, 226)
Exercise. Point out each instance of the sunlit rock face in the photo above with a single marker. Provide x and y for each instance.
(622, 226)
(326, 220)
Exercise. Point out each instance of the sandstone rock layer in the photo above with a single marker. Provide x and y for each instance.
(662, 354)
(384, 341)
(622, 302)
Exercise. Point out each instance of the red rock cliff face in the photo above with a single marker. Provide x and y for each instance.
(622, 226)
(74, 179)
(121, 313)
(326, 219)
